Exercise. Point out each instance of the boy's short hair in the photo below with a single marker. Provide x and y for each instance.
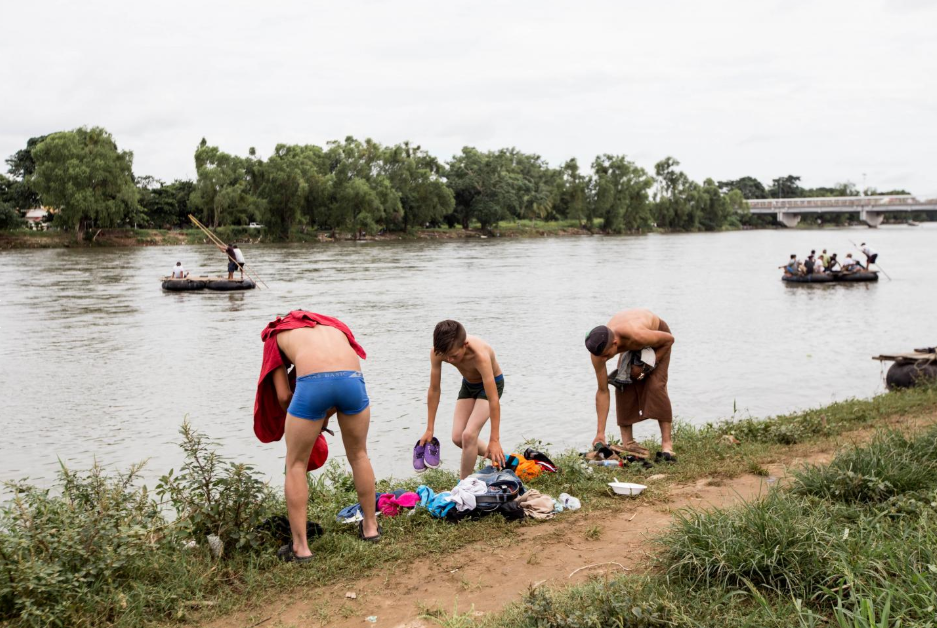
(448, 334)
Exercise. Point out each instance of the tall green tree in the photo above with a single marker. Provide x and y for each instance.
(786, 187)
(620, 194)
(165, 204)
(21, 166)
(291, 183)
(416, 176)
(224, 190)
(573, 203)
(750, 187)
(673, 207)
(85, 178)
(485, 187)
(712, 206)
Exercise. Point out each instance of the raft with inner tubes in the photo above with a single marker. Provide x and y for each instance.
(194, 284)
(910, 369)
(862, 275)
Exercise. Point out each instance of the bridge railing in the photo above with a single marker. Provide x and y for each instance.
(859, 202)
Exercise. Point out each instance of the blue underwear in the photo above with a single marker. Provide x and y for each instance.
(317, 392)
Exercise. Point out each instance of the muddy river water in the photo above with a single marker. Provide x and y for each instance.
(97, 362)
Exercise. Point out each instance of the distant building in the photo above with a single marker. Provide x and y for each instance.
(34, 217)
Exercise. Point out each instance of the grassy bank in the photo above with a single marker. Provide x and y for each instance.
(98, 550)
(851, 544)
(27, 238)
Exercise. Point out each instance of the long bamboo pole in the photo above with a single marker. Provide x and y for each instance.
(219, 242)
(856, 246)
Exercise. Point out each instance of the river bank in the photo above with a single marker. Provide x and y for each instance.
(30, 239)
(153, 580)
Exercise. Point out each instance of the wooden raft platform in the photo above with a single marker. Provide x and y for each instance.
(911, 356)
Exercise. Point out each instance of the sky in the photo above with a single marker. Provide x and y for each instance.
(832, 91)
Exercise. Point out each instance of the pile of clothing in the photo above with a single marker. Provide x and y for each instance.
(486, 492)
(387, 504)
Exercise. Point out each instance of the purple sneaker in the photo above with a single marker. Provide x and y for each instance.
(418, 453)
(431, 457)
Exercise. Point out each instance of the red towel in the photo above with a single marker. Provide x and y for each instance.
(269, 417)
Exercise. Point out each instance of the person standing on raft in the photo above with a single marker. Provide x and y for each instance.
(646, 396)
(235, 260)
(326, 380)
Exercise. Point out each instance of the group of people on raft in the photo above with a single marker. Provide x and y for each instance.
(235, 262)
(311, 371)
(825, 263)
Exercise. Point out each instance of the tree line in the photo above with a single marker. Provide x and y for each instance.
(364, 187)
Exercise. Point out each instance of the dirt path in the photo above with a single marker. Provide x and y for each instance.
(485, 577)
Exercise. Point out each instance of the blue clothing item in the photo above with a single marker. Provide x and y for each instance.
(347, 514)
(426, 494)
(440, 505)
(317, 392)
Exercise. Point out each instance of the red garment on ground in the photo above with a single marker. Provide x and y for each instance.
(269, 417)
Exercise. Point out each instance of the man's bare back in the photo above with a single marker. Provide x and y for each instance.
(318, 349)
(632, 326)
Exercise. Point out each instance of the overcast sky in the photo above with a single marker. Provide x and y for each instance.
(824, 90)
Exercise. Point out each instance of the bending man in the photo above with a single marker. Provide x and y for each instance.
(646, 396)
(328, 379)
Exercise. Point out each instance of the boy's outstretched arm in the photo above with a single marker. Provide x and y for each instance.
(495, 453)
(432, 396)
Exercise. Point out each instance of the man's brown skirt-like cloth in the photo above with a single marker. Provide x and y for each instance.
(647, 398)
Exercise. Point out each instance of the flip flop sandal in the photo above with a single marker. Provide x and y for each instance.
(665, 456)
(286, 554)
(370, 539)
(631, 448)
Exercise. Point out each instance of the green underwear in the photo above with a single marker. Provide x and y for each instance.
(471, 390)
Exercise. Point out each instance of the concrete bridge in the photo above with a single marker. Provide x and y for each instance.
(870, 208)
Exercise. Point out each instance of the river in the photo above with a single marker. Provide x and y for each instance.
(97, 362)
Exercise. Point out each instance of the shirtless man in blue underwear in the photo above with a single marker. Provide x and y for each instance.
(328, 381)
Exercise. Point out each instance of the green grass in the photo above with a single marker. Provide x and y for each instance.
(851, 544)
(721, 555)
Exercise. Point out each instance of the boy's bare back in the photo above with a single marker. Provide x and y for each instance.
(476, 352)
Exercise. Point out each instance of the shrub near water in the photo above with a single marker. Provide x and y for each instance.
(62, 555)
(99, 551)
(213, 496)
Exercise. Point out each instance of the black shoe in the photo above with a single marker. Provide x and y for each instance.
(286, 554)
(664, 456)
(370, 539)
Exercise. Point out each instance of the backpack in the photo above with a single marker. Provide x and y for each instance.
(503, 486)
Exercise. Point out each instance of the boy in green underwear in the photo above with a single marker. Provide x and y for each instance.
(479, 397)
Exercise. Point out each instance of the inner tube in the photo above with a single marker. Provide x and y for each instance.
(909, 374)
(862, 275)
(223, 285)
(183, 285)
(812, 278)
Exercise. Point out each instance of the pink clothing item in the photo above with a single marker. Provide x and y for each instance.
(390, 506)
